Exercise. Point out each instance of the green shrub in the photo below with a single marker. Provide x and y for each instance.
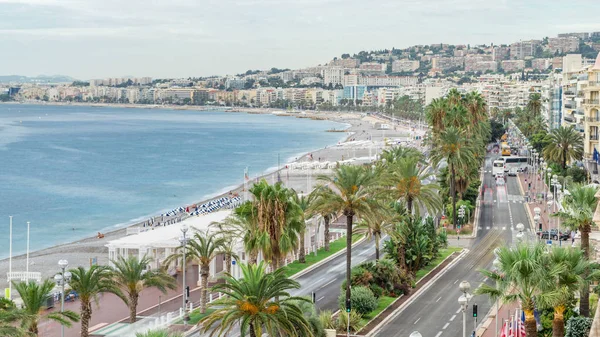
(377, 290)
(362, 300)
(342, 321)
(578, 327)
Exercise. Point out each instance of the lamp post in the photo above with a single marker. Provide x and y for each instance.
(184, 240)
(496, 265)
(61, 279)
(463, 300)
(415, 334)
(536, 219)
(520, 234)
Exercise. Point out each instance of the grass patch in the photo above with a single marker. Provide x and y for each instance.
(196, 316)
(382, 303)
(334, 247)
(443, 254)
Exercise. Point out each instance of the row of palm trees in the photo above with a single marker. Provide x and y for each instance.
(126, 279)
(539, 278)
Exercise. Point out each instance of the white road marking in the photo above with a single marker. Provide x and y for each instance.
(328, 283)
(322, 297)
(438, 299)
(457, 311)
(503, 228)
(455, 282)
(485, 279)
(487, 227)
(438, 334)
(417, 321)
(452, 318)
(445, 326)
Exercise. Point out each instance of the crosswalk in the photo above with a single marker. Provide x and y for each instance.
(512, 198)
(503, 228)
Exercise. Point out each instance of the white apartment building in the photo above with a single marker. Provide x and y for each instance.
(563, 44)
(379, 81)
(513, 65)
(523, 49)
(372, 68)
(332, 75)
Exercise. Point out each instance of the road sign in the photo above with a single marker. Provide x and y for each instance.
(549, 242)
(233, 262)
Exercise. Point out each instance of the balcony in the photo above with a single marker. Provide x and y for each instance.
(591, 101)
(568, 106)
(593, 85)
(569, 93)
(592, 119)
(594, 137)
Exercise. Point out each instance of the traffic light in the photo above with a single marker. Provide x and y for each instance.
(475, 310)
(541, 228)
(348, 306)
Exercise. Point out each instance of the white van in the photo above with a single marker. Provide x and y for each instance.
(513, 171)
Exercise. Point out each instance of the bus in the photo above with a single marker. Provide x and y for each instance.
(508, 163)
(498, 167)
(505, 149)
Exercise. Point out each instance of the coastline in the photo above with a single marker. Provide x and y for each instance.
(81, 250)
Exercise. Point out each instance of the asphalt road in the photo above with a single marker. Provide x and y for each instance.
(436, 312)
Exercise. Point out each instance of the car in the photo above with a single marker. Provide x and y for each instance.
(500, 181)
(552, 235)
(512, 172)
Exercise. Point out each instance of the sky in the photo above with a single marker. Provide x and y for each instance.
(89, 39)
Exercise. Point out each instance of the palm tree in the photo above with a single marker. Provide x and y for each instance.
(89, 284)
(396, 153)
(578, 214)
(375, 226)
(353, 197)
(203, 248)
(278, 219)
(454, 97)
(259, 303)
(303, 203)
(34, 297)
(10, 316)
(242, 224)
(436, 114)
(566, 144)
(406, 179)
(228, 249)
(567, 282)
(521, 276)
(159, 333)
(318, 205)
(454, 147)
(132, 275)
(535, 104)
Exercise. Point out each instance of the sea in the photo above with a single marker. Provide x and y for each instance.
(72, 171)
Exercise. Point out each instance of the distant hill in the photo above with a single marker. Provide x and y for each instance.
(36, 79)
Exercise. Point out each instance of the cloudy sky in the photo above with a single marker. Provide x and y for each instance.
(180, 38)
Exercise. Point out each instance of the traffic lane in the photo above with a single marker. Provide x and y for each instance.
(433, 311)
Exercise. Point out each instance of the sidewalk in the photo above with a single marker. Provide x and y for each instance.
(536, 198)
(488, 327)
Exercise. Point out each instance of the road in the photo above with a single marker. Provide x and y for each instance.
(436, 312)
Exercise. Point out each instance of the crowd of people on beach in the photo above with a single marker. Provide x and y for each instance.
(215, 205)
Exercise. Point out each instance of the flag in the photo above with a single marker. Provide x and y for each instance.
(511, 332)
(596, 155)
(246, 174)
(522, 324)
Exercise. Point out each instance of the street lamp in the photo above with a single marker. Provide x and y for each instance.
(536, 220)
(520, 234)
(415, 334)
(463, 300)
(61, 279)
(497, 264)
(184, 240)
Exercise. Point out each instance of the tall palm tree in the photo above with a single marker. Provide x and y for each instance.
(566, 144)
(578, 214)
(242, 224)
(375, 226)
(318, 205)
(228, 250)
(132, 275)
(259, 303)
(454, 97)
(353, 196)
(407, 181)
(34, 297)
(522, 276)
(278, 219)
(454, 147)
(436, 114)
(159, 333)
(203, 248)
(303, 203)
(89, 284)
(396, 153)
(477, 107)
(10, 317)
(535, 104)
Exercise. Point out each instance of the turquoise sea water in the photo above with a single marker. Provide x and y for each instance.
(93, 169)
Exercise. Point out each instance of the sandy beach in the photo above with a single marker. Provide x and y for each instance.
(362, 141)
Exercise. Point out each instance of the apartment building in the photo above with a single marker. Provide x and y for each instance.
(583, 36)
(500, 53)
(345, 63)
(541, 64)
(563, 44)
(405, 65)
(511, 66)
(591, 108)
(573, 80)
(445, 63)
(482, 66)
(372, 68)
(521, 50)
(332, 75)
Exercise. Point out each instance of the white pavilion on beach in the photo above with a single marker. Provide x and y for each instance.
(160, 242)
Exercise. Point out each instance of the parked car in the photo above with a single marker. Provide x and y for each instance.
(513, 171)
(553, 235)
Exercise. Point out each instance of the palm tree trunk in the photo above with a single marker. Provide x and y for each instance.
(376, 247)
(584, 300)
(326, 232)
(204, 271)
(252, 332)
(86, 314)
(558, 323)
(133, 302)
(401, 256)
(409, 206)
(301, 251)
(228, 263)
(253, 258)
(33, 328)
(453, 195)
(348, 254)
(564, 161)
(530, 324)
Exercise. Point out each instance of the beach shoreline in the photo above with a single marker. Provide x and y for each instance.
(80, 251)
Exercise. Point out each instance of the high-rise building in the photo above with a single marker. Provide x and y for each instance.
(500, 53)
(521, 50)
(591, 108)
(332, 75)
(405, 65)
(563, 44)
(511, 66)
